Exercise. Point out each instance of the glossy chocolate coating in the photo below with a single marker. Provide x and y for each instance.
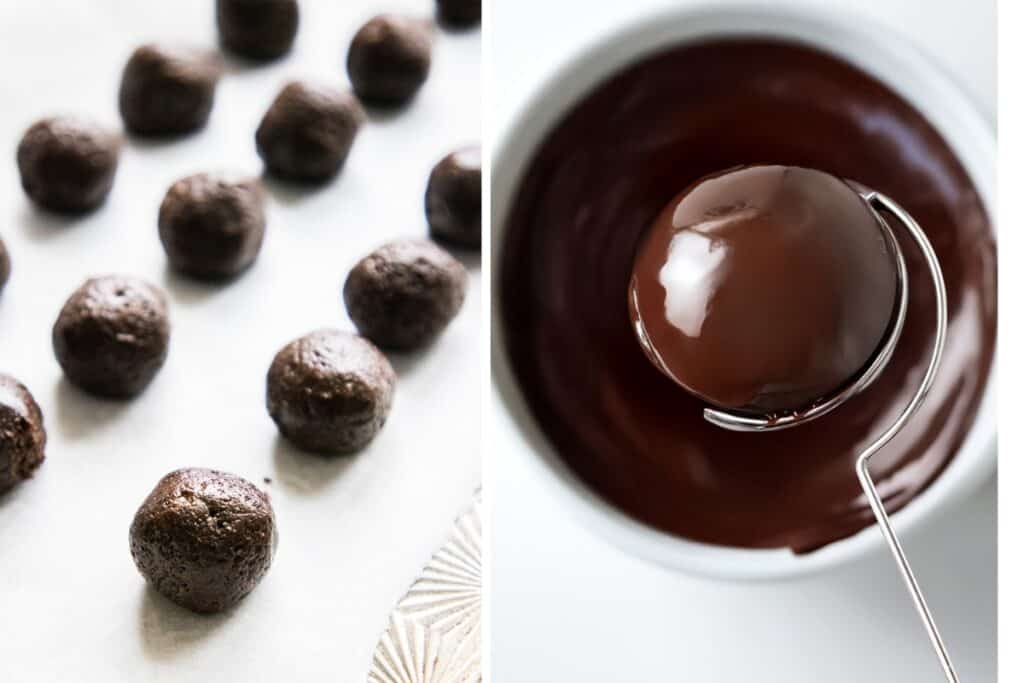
(389, 59)
(5, 265)
(112, 335)
(403, 294)
(212, 225)
(591, 192)
(257, 29)
(764, 288)
(204, 539)
(22, 435)
(168, 91)
(68, 164)
(459, 13)
(308, 131)
(330, 392)
(453, 198)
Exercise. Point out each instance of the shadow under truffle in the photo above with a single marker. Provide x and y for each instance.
(168, 630)
(305, 472)
(80, 414)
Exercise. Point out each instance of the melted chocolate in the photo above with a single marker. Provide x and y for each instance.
(766, 288)
(632, 434)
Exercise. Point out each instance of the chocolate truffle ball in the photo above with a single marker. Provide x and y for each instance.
(764, 289)
(453, 199)
(389, 59)
(459, 13)
(257, 29)
(330, 392)
(204, 539)
(405, 293)
(111, 337)
(212, 225)
(22, 436)
(68, 164)
(5, 265)
(168, 91)
(308, 131)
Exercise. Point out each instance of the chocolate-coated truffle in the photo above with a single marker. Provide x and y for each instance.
(405, 293)
(212, 225)
(5, 265)
(257, 29)
(459, 13)
(765, 288)
(68, 164)
(168, 91)
(111, 337)
(22, 436)
(204, 539)
(389, 59)
(453, 198)
(308, 131)
(330, 392)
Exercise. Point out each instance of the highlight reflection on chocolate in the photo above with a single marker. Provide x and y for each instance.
(764, 288)
(591, 192)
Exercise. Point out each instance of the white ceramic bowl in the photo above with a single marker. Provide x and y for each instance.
(877, 51)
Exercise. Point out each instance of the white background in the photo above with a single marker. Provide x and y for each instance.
(567, 607)
(354, 531)
(1011, 332)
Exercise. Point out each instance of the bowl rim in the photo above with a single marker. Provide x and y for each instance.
(892, 59)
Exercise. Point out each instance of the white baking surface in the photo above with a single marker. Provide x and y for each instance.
(354, 531)
(566, 606)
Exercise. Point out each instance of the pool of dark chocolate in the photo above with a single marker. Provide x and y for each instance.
(593, 187)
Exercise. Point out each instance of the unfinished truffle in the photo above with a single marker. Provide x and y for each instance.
(453, 199)
(404, 294)
(257, 29)
(330, 391)
(204, 539)
(389, 59)
(459, 13)
(112, 335)
(308, 131)
(168, 91)
(5, 265)
(67, 164)
(212, 225)
(22, 435)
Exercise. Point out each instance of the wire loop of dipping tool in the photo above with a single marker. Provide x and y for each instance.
(746, 423)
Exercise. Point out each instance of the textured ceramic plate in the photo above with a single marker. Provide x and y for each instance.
(433, 636)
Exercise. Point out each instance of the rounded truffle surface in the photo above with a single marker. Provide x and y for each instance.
(22, 435)
(308, 132)
(5, 265)
(168, 91)
(257, 29)
(112, 335)
(459, 13)
(453, 198)
(330, 392)
(67, 164)
(764, 288)
(212, 225)
(204, 539)
(389, 59)
(403, 294)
